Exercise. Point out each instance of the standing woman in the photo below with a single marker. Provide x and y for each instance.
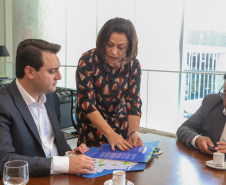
(108, 85)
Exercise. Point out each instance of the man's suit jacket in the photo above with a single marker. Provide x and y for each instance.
(208, 120)
(19, 137)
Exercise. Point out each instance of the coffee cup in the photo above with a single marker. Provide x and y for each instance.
(218, 159)
(119, 177)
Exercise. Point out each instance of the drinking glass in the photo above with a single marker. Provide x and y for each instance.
(15, 173)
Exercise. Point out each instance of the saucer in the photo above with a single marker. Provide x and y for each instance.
(211, 165)
(109, 182)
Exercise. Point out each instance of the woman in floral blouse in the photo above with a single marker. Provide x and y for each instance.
(108, 85)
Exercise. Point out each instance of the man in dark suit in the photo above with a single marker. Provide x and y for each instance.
(206, 128)
(30, 115)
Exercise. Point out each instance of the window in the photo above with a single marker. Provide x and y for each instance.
(182, 47)
(204, 47)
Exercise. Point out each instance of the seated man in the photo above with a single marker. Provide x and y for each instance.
(206, 128)
(30, 115)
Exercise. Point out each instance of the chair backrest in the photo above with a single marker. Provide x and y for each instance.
(74, 101)
(66, 98)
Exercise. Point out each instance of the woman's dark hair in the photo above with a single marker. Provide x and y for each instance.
(118, 25)
(29, 53)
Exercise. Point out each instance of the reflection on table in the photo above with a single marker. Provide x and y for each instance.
(177, 165)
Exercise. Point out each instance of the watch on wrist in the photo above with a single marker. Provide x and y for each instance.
(133, 133)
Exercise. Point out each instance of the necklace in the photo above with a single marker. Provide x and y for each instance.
(112, 78)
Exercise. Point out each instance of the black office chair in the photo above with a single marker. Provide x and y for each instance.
(68, 101)
(74, 101)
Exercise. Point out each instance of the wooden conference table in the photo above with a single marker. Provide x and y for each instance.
(177, 165)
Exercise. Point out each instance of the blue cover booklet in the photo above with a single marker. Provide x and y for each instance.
(126, 165)
(135, 154)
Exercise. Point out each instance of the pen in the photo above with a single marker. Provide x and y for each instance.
(156, 149)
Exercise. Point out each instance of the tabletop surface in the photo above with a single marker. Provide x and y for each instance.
(177, 165)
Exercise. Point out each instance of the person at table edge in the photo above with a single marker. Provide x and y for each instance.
(207, 127)
(30, 115)
(108, 85)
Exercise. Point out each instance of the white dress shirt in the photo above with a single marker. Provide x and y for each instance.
(222, 138)
(38, 111)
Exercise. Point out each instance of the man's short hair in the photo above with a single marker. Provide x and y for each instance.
(29, 53)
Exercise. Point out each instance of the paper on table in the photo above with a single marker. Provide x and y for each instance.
(105, 164)
(126, 166)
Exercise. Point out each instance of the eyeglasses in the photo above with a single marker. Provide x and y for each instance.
(222, 94)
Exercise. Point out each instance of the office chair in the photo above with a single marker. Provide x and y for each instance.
(74, 101)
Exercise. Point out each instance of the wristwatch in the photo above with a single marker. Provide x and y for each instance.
(133, 133)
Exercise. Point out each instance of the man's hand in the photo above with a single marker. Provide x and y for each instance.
(135, 140)
(221, 147)
(202, 143)
(82, 149)
(81, 164)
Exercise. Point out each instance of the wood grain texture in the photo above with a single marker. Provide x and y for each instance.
(177, 165)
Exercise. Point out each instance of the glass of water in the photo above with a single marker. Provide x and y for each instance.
(15, 173)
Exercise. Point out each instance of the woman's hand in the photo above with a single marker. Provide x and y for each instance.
(82, 148)
(135, 139)
(117, 140)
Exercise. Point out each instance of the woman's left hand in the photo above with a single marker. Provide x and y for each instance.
(135, 140)
(82, 148)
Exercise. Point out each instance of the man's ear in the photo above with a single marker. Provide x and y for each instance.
(29, 72)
